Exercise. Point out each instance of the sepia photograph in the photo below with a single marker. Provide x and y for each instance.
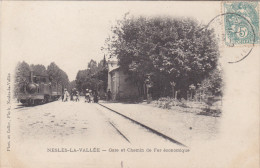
(128, 84)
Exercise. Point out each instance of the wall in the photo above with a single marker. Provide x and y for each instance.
(127, 89)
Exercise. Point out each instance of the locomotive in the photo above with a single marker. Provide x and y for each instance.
(39, 90)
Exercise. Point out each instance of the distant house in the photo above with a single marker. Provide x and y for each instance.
(117, 83)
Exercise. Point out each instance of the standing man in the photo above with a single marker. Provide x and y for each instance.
(87, 96)
(90, 96)
(95, 94)
(77, 96)
(108, 95)
(71, 96)
(66, 95)
(62, 97)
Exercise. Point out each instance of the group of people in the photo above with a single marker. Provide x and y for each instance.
(91, 96)
(74, 96)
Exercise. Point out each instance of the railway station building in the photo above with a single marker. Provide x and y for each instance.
(120, 87)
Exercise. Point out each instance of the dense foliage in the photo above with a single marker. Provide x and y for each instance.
(211, 86)
(57, 75)
(170, 54)
(94, 77)
(22, 72)
(72, 85)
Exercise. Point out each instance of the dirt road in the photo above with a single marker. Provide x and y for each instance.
(88, 123)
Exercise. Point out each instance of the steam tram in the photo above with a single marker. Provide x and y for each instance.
(39, 90)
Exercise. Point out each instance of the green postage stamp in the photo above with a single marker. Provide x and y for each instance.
(241, 23)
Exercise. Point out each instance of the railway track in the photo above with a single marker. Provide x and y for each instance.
(19, 107)
(28, 106)
(144, 126)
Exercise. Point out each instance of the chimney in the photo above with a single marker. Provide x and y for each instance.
(31, 76)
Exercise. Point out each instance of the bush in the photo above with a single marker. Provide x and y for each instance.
(183, 103)
(166, 102)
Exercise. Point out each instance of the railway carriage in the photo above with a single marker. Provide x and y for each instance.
(39, 90)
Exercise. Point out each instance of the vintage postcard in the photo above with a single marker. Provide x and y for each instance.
(129, 84)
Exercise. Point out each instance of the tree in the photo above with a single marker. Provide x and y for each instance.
(102, 74)
(213, 85)
(57, 76)
(92, 66)
(170, 50)
(22, 72)
(85, 80)
(72, 85)
(38, 69)
(94, 78)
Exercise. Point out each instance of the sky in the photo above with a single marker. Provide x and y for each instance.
(72, 33)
